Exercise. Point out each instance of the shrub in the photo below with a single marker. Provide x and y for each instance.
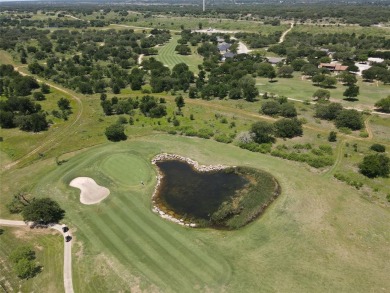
(223, 138)
(115, 132)
(378, 148)
(351, 119)
(376, 165)
(288, 128)
(205, 133)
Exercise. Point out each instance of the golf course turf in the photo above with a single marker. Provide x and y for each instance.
(312, 239)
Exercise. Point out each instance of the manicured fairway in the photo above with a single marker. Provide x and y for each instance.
(309, 240)
(168, 56)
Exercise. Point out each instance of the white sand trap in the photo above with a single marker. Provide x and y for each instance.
(91, 192)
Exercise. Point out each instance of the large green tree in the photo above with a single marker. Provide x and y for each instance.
(43, 210)
(351, 119)
(383, 104)
(115, 132)
(262, 132)
(375, 165)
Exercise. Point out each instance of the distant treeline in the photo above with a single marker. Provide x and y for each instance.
(364, 14)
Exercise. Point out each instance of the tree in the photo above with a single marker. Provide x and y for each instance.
(328, 111)
(348, 78)
(43, 210)
(115, 132)
(309, 70)
(376, 165)
(270, 108)
(45, 88)
(288, 110)
(179, 100)
(351, 119)
(39, 96)
(322, 95)
(262, 132)
(351, 92)
(285, 71)
(248, 87)
(332, 136)
(288, 127)
(25, 269)
(329, 81)
(63, 104)
(383, 104)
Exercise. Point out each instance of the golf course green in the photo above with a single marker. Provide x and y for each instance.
(304, 237)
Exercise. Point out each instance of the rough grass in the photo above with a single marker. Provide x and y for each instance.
(308, 240)
(48, 246)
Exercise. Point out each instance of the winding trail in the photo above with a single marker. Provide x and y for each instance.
(283, 36)
(368, 128)
(68, 281)
(56, 137)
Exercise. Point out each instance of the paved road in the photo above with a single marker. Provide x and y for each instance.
(68, 282)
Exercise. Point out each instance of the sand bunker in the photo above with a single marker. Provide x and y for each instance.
(91, 192)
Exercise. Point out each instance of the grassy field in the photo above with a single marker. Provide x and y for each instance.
(48, 246)
(304, 89)
(312, 239)
(168, 56)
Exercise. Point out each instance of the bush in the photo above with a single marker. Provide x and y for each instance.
(223, 138)
(288, 128)
(25, 269)
(379, 148)
(332, 136)
(349, 181)
(288, 110)
(376, 165)
(270, 108)
(351, 119)
(205, 133)
(115, 132)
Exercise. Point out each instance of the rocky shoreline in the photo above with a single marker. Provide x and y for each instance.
(195, 164)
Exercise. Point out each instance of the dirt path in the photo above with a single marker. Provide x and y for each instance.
(282, 37)
(368, 128)
(57, 137)
(140, 57)
(339, 154)
(68, 281)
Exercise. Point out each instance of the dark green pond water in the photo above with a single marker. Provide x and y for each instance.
(192, 194)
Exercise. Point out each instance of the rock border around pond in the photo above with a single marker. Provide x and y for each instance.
(200, 168)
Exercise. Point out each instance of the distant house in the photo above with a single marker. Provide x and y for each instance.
(274, 60)
(333, 67)
(224, 47)
(229, 55)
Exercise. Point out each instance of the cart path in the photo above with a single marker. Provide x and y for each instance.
(68, 281)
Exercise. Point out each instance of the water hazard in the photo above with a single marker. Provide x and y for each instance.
(192, 194)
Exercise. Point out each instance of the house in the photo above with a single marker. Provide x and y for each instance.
(228, 55)
(333, 67)
(224, 47)
(274, 60)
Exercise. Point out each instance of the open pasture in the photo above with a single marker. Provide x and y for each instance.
(308, 240)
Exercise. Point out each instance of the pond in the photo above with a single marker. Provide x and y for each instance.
(196, 195)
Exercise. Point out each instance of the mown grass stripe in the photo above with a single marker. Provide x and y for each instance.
(201, 257)
(131, 250)
(162, 260)
(180, 260)
(123, 253)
